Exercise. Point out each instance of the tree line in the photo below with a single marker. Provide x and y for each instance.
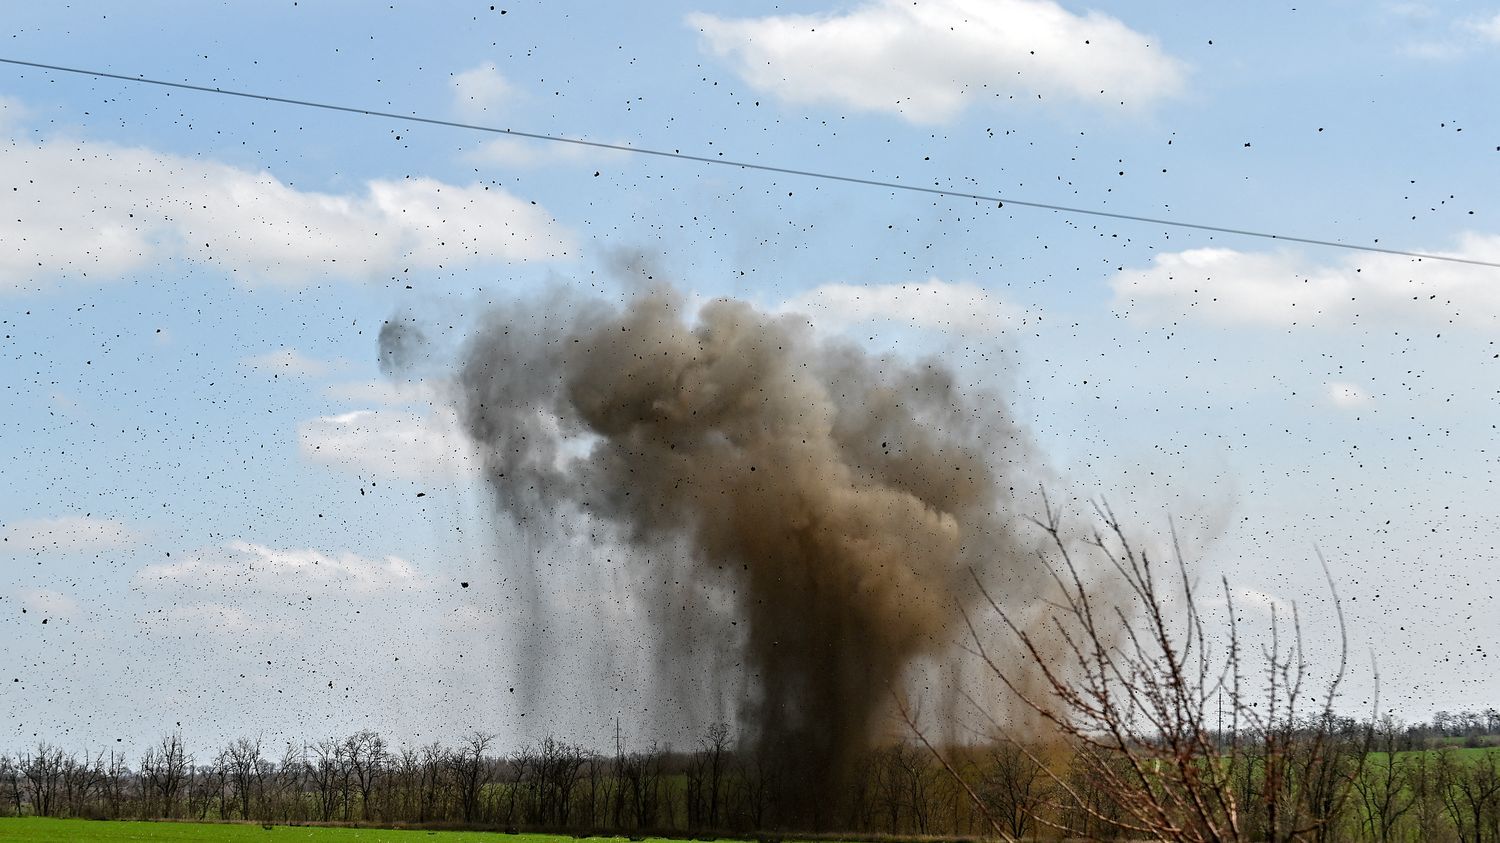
(1357, 781)
(551, 784)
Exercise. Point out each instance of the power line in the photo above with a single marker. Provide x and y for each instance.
(750, 165)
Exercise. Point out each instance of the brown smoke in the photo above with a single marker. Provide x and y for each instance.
(835, 499)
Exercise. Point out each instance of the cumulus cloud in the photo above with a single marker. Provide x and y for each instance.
(1283, 288)
(244, 567)
(1348, 395)
(955, 307)
(481, 90)
(100, 210)
(423, 444)
(289, 362)
(69, 533)
(929, 61)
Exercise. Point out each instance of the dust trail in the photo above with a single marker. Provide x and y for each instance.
(831, 501)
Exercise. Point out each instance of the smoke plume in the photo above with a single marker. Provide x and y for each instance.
(401, 343)
(833, 500)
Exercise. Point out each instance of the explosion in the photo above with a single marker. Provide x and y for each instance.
(838, 502)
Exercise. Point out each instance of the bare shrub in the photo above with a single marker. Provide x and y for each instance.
(1169, 736)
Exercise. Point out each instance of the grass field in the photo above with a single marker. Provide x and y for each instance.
(1461, 754)
(35, 828)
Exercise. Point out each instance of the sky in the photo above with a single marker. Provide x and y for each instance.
(220, 517)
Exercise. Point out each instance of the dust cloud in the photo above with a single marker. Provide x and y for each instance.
(830, 500)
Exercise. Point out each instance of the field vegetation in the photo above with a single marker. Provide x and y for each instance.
(45, 830)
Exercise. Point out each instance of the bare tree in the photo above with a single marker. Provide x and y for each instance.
(471, 772)
(1089, 806)
(890, 784)
(434, 771)
(705, 777)
(245, 771)
(114, 784)
(43, 773)
(209, 789)
(326, 770)
(10, 780)
(1429, 816)
(165, 773)
(289, 777)
(1385, 789)
(549, 774)
(80, 780)
(861, 799)
(598, 789)
(694, 795)
(617, 779)
(1324, 773)
(1470, 789)
(367, 757)
(758, 780)
(1126, 674)
(642, 774)
(406, 775)
(919, 776)
(1015, 786)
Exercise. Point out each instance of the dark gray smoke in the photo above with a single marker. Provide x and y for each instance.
(402, 342)
(832, 500)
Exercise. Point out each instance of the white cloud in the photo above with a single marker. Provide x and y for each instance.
(481, 90)
(245, 567)
(1434, 50)
(13, 112)
(928, 61)
(1487, 28)
(288, 361)
(1450, 38)
(1260, 601)
(388, 443)
(1348, 395)
(101, 210)
(960, 307)
(466, 617)
(1282, 288)
(385, 392)
(219, 618)
(1406, 11)
(50, 604)
(523, 153)
(67, 533)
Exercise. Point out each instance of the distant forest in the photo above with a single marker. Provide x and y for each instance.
(1385, 781)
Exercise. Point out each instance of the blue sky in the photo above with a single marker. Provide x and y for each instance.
(211, 491)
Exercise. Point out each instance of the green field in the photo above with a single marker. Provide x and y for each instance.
(1462, 754)
(35, 828)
